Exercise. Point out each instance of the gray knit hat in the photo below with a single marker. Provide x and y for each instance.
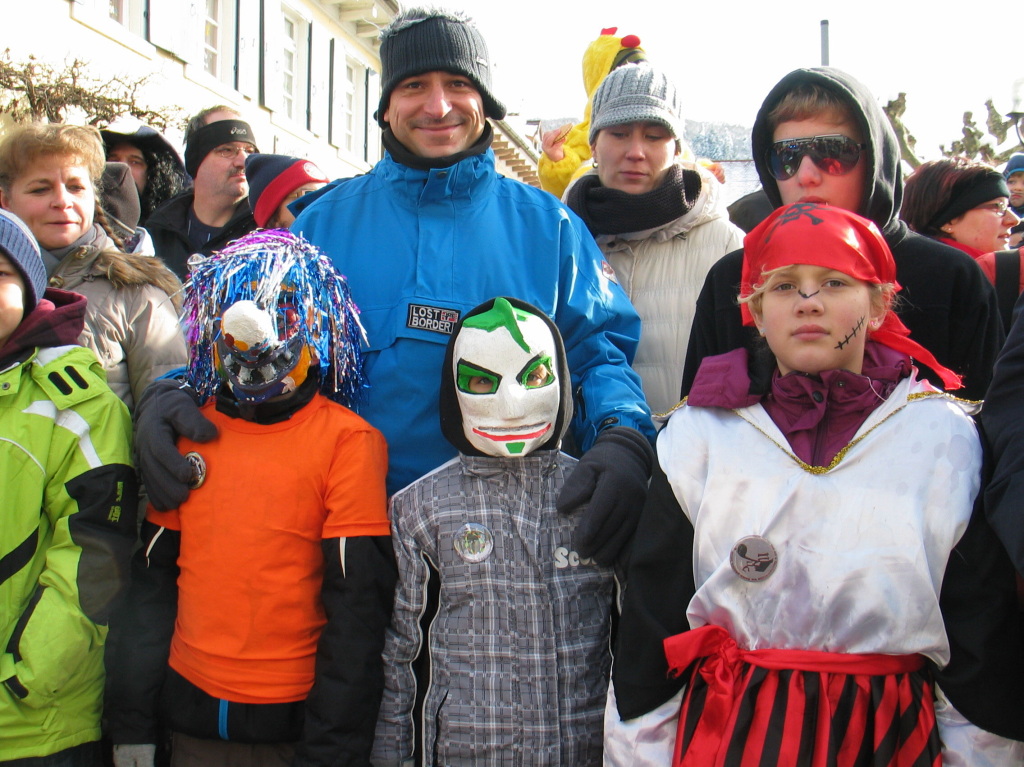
(434, 40)
(19, 245)
(636, 93)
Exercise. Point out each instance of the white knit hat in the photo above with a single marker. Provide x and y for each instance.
(636, 93)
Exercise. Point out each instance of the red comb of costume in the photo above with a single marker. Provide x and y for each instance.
(609, 30)
(631, 41)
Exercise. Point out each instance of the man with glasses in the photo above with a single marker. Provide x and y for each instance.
(216, 210)
(820, 136)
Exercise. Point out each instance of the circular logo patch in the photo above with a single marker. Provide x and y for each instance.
(753, 558)
(198, 469)
(474, 542)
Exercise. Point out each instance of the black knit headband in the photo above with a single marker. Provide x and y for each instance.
(987, 187)
(210, 137)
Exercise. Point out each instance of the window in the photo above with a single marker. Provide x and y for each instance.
(127, 13)
(211, 37)
(348, 137)
(219, 39)
(349, 113)
(294, 61)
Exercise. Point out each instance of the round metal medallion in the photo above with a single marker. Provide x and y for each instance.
(474, 542)
(198, 469)
(753, 558)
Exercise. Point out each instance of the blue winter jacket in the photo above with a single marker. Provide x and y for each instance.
(421, 247)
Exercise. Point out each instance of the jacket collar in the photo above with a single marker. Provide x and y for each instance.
(540, 462)
(468, 179)
(57, 320)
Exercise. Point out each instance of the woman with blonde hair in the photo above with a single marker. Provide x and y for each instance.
(49, 177)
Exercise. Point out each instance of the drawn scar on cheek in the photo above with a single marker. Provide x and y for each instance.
(852, 334)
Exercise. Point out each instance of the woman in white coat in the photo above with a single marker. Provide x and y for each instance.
(660, 221)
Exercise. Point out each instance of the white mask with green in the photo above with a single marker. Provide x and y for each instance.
(506, 379)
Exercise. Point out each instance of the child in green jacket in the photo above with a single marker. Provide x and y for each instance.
(68, 500)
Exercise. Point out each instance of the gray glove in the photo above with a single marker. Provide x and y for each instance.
(134, 755)
(168, 409)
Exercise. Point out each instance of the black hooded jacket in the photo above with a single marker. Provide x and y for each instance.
(946, 301)
(168, 226)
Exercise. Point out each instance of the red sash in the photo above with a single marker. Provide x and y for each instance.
(724, 662)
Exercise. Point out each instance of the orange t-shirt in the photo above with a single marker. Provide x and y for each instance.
(249, 606)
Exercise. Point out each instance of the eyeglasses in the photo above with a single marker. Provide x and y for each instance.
(999, 208)
(835, 155)
(230, 151)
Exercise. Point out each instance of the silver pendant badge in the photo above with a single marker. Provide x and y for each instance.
(474, 542)
(753, 558)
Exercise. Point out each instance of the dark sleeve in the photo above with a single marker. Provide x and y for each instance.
(985, 675)
(951, 309)
(977, 332)
(1002, 420)
(659, 587)
(141, 637)
(717, 322)
(341, 710)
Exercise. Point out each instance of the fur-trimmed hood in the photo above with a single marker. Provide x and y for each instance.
(90, 262)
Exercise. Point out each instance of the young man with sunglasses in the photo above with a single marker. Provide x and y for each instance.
(216, 210)
(820, 136)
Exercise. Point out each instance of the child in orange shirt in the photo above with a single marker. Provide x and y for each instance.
(259, 606)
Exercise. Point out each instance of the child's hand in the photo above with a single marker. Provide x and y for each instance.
(167, 410)
(552, 142)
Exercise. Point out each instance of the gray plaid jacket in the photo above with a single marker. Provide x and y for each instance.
(519, 647)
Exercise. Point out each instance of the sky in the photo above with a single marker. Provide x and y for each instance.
(725, 55)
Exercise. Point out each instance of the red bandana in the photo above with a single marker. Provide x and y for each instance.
(833, 238)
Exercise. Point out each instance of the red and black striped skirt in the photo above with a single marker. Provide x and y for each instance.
(786, 708)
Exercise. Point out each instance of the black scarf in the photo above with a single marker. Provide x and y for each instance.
(609, 211)
(402, 155)
(269, 412)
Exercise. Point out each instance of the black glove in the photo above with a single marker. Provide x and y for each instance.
(611, 481)
(168, 409)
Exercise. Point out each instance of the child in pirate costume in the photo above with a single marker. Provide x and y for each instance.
(257, 613)
(838, 602)
(519, 648)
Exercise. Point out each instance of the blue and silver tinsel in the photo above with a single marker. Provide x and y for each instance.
(268, 267)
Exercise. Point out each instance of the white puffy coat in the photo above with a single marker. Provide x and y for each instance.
(662, 271)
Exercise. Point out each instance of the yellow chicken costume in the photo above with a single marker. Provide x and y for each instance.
(602, 56)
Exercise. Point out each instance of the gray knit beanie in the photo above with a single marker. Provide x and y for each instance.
(636, 93)
(19, 245)
(434, 40)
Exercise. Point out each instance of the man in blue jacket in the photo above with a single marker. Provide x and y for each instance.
(432, 231)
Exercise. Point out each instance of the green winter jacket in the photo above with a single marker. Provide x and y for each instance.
(68, 497)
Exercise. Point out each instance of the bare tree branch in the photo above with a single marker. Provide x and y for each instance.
(33, 90)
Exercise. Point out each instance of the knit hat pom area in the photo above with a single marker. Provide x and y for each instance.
(637, 93)
(272, 177)
(435, 40)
